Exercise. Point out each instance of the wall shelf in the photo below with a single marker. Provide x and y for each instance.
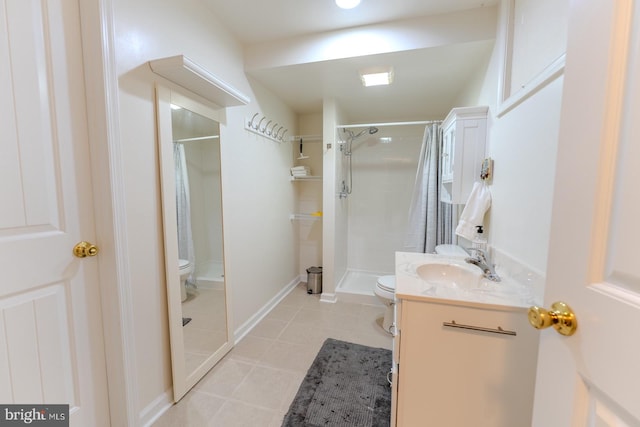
(306, 138)
(307, 217)
(306, 178)
(186, 73)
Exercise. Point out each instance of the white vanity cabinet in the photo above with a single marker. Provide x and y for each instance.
(463, 149)
(452, 376)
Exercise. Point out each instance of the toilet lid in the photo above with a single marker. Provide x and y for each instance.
(388, 283)
(183, 263)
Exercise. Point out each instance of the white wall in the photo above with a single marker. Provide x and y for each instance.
(335, 226)
(257, 195)
(523, 144)
(258, 198)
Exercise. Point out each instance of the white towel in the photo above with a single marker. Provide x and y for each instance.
(473, 214)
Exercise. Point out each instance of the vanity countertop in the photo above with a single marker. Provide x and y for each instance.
(507, 294)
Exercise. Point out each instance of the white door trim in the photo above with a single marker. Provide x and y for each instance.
(101, 82)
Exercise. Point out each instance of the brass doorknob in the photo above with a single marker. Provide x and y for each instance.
(561, 317)
(85, 249)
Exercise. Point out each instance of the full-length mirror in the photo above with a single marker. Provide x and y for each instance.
(189, 147)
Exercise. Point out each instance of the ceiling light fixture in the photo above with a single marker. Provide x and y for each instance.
(347, 4)
(377, 77)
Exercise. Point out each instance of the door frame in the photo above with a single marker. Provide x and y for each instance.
(101, 87)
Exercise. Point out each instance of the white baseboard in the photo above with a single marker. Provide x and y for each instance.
(162, 403)
(247, 326)
(155, 409)
(357, 298)
(326, 297)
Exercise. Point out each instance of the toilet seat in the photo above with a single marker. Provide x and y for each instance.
(184, 264)
(386, 288)
(185, 268)
(387, 283)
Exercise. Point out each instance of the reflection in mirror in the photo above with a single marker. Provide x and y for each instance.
(189, 147)
(199, 220)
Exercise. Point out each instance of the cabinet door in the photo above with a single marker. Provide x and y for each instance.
(468, 154)
(447, 155)
(458, 377)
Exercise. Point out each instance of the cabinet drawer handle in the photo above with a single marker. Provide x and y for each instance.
(453, 324)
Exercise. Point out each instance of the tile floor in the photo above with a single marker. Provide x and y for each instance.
(255, 383)
(207, 330)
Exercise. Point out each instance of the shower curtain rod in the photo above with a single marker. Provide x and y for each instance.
(199, 138)
(364, 125)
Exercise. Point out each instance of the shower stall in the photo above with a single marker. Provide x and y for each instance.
(203, 160)
(375, 174)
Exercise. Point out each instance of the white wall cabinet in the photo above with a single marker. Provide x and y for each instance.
(456, 377)
(463, 149)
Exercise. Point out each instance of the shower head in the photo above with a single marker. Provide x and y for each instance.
(370, 130)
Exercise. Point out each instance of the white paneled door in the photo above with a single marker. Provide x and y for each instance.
(51, 340)
(593, 377)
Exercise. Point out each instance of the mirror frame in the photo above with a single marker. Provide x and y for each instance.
(182, 381)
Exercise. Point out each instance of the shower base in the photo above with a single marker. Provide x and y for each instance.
(357, 286)
(210, 275)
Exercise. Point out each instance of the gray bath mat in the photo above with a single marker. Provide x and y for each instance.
(346, 386)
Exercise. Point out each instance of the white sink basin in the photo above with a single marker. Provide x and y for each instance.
(450, 274)
(431, 277)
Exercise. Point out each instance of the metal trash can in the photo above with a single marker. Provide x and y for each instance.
(314, 280)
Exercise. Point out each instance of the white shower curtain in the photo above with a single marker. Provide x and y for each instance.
(183, 209)
(430, 221)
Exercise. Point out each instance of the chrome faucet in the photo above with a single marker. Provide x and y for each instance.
(479, 259)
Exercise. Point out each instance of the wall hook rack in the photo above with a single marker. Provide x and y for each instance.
(265, 127)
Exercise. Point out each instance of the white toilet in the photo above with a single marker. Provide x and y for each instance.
(452, 251)
(185, 268)
(386, 290)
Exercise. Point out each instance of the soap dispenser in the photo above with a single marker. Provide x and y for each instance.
(479, 242)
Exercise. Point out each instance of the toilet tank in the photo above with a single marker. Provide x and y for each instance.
(451, 250)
